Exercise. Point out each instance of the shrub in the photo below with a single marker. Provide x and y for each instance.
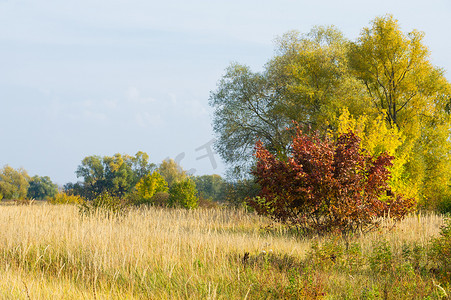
(160, 199)
(440, 250)
(325, 185)
(63, 198)
(444, 206)
(381, 258)
(183, 194)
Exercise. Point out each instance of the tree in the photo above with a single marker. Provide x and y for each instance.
(413, 95)
(116, 174)
(377, 137)
(13, 183)
(397, 72)
(171, 171)
(327, 185)
(183, 193)
(41, 188)
(307, 82)
(314, 76)
(211, 187)
(148, 186)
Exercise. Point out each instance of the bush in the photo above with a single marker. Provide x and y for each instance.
(183, 194)
(63, 198)
(444, 206)
(440, 251)
(160, 199)
(327, 186)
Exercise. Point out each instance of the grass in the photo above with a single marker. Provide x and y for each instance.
(52, 252)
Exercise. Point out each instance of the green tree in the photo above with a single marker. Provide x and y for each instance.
(308, 81)
(211, 187)
(171, 171)
(13, 183)
(116, 174)
(148, 186)
(41, 188)
(314, 76)
(183, 193)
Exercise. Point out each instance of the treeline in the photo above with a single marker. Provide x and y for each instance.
(131, 179)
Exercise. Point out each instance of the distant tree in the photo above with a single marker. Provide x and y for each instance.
(13, 183)
(211, 187)
(116, 174)
(171, 171)
(75, 189)
(148, 186)
(183, 194)
(41, 188)
(239, 191)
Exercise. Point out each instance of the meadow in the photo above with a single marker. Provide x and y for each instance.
(54, 252)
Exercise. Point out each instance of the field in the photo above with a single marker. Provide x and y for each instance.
(53, 252)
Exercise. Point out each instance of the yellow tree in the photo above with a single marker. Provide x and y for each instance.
(376, 138)
(412, 94)
(397, 72)
(13, 183)
(149, 185)
(171, 171)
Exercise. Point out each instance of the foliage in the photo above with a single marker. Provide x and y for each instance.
(376, 137)
(116, 174)
(327, 185)
(171, 171)
(13, 183)
(440, 250)
(397, 72)
(41, 188)
(63, 198)
(385, 76)
(381, 258)
(148, 186)
(211, 187)
(414, 97)
(183, 194)
(444, 206)
(161, 199)
(306, 82)
(237, 192)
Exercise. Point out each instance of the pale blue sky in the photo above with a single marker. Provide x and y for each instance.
(100, 77)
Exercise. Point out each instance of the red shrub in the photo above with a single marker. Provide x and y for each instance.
(326, 185)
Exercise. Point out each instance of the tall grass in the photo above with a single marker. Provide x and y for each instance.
(54, 252)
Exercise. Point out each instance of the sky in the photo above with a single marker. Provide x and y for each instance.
(97, 77)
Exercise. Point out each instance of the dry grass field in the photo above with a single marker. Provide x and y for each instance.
(53, 252)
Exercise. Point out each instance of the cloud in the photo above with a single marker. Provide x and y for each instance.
(92, 115)
(145, 119)
(134, 95)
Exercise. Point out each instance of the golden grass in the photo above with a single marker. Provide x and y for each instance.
(51, 252)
